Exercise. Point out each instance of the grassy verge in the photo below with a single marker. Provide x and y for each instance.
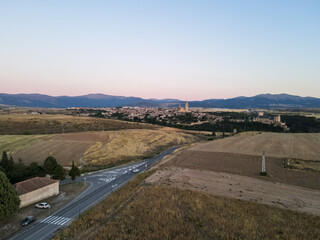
(162, 212)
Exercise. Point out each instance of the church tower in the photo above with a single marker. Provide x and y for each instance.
(186, 107)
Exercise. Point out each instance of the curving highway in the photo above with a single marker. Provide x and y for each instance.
(102, 184)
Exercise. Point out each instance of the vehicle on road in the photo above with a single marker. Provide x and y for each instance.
(114, 185)
(28, 220)
(135, 170)
(42, 205)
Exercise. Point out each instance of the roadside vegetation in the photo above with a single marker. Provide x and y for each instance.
(162, 212)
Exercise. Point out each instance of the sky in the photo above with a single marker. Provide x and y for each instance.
(188, 50)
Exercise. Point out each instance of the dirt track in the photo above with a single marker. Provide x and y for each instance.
(241, 187)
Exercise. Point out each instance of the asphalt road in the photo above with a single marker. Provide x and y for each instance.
(102, 184)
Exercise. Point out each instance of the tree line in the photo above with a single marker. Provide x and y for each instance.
(18, 171)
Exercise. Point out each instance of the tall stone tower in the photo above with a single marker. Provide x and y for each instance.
(186, 107)
(278, 118)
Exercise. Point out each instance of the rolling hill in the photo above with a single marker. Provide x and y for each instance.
(102, 100)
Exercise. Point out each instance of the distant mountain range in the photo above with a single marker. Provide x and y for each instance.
(101, 100)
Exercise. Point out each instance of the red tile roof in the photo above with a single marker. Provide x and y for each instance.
(32, 184)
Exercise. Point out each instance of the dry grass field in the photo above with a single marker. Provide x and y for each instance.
(93, 148)
(304, 146)
(52, 124)
(163, 212)
(125, 145)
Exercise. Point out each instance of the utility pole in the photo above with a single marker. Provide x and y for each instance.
(263, 167)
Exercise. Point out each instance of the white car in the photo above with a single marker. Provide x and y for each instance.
(135, 170)
(43, 205)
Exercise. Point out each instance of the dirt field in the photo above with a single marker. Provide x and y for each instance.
(300, 146)
(52, 124)
(245, 165)
(13, 224)
(241, 187)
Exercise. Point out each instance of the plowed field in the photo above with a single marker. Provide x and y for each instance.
(280, 145)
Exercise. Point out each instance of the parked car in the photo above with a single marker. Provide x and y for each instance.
(43, 205)
(28, 220)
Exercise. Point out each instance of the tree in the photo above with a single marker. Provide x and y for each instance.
(9, 199)
(34, 170)
(10, 165)
(19, 172)
(4, 161)
(74, 171)
(59, 173)
(50, 164)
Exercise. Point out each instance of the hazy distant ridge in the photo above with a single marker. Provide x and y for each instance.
(102, 100)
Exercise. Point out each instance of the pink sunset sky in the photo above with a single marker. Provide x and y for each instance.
(166, 49)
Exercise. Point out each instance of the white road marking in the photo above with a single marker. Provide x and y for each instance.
(56, 220)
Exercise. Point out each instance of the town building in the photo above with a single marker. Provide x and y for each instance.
(36, 189)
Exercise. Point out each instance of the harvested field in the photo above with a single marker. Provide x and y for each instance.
(304, 146)
(241, 187)
(53, 124)
(65, 147)
(127, 145)
(245, 165)
(14, 143)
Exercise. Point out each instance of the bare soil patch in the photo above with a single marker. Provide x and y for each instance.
(241, 187)
(304, 146)
(13, 225)
(245, 165)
